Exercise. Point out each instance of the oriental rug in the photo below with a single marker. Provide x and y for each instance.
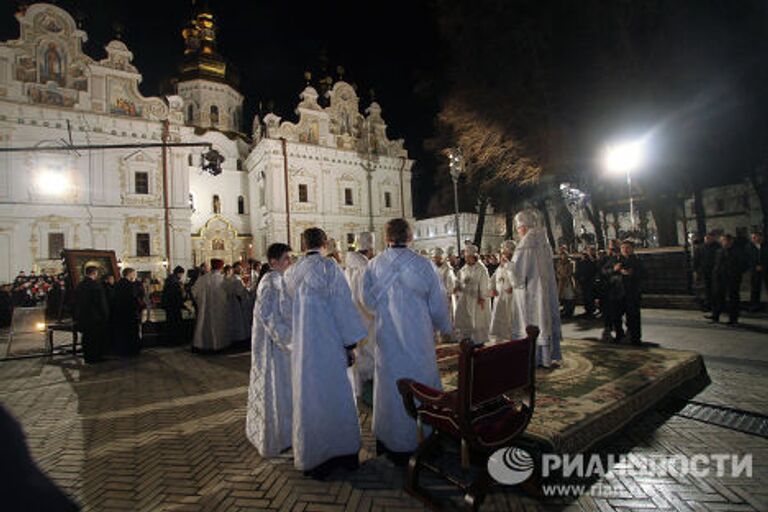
(599, 389)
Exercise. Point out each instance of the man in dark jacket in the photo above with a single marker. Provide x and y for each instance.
(705, 265)
(586, 268)
(758, 266)
(624, 273)
(173, 304)
(726, 281)
(126, 315)
(92, 315)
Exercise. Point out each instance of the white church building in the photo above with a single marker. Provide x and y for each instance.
(333, 167)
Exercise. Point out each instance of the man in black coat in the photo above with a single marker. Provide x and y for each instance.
(726, 281)
(126, 314)
(92, 315)
(758, 266)
(586, 268)
(705, 265)
(173, 304)
(624, 273)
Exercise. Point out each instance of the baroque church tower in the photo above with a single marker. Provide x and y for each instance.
(207, 82)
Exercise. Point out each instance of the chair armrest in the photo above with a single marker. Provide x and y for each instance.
(426, 395)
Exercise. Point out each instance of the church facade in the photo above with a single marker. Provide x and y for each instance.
(333, 167)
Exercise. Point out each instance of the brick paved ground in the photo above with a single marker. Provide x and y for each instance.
(165, 432)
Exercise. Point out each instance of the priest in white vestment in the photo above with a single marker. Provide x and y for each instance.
(210, 295)
(356, 263)
(473, 306)
(535, 301)
(502, 289)
(239, 306)
(268, 422)
(326, 329)
(410, 304)
(446, 275)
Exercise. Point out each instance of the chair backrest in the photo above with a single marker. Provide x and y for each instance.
(487, 373)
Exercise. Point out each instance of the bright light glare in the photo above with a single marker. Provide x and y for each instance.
(624, 157)
(40, 326)
(52, 183)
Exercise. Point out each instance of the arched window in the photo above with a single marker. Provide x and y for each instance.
(214, 115)
(216, 204)
(190, 160)
(241, 205)
(190, 113)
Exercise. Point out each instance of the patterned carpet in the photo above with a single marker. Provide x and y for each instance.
(600, 389)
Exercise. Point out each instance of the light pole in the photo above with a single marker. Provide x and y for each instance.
(456, 165)
(625, 157)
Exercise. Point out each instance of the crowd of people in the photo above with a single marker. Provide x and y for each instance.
(719, 264)
(323, 325)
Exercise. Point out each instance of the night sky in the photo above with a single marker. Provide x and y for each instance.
(390, 46)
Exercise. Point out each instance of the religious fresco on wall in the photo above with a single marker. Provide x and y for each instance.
(121, 100)
(79, 79)
(51, 94)
(49, 23)
(52, 62)
(26, 70)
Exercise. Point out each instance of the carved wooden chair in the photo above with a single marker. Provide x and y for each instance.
(490, 408)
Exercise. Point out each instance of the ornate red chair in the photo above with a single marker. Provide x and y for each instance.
(490, 408)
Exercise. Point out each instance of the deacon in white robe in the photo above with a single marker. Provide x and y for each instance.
(473, 307)
(410, 304)
(535, 301)
(326, 329)
(268, 422)
(239, 307)
(502, 289)
(210, 294)
(356, 263)
(446, 275)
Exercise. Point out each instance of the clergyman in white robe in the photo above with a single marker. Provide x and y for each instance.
(209, 291)
(356, 262)
(473, 305)
(535, 301)
(325, 324)
(446, 275)
(268, 422)
(405, 291)
(502, 288)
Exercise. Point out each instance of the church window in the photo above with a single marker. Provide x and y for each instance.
(190, 113)
(141, 183)
(239, 164)
(387, 200)
(241, 205)
(214, 115)
(55, 245)
(719, 205)
(142, 244)
(303, 193)
(190, 160)
(191, 201)
(216, 204)
(348, 199)
(350, 239)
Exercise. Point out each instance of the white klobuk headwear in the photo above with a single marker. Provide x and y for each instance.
(366, 241)
(527, 218)
(470, 250)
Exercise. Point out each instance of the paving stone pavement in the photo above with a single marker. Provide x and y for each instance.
(166, 432)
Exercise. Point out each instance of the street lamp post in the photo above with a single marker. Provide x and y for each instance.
(456, 165)
(625, 158)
